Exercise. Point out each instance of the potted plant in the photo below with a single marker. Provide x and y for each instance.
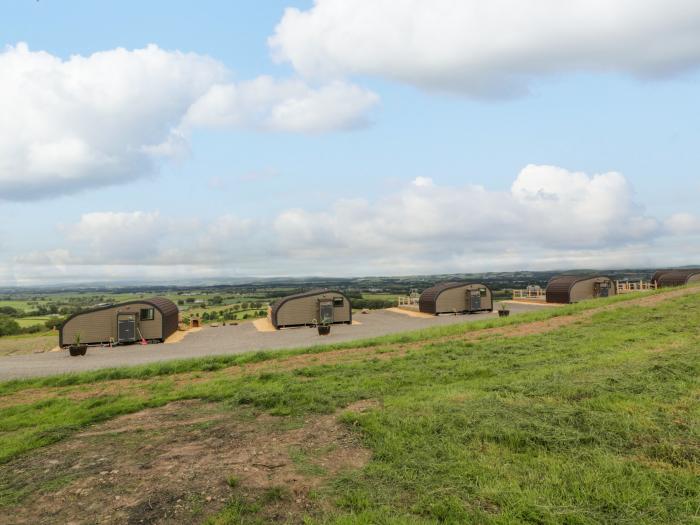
(503, 311)
(324, 327)
(76, 348)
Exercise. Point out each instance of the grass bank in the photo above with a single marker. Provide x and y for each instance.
(596, 422)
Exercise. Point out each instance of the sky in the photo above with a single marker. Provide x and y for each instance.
(169, 140)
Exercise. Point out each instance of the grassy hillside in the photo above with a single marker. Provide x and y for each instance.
(593, 417)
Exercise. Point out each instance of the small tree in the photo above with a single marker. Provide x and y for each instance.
(9, 326)
(53, 323)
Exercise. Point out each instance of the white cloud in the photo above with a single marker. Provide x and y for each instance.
(283, 105)
(109, 117)
(488, 48)
(549, 218)
(683, 224)
(118, 237)
(422, 182)
(546, 208)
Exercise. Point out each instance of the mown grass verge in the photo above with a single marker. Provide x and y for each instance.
(596, 422)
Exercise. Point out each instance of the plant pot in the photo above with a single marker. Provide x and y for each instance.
(503, 313)
(324, 329)
(76, 350)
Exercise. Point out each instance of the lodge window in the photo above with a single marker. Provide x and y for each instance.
(338, 302)
(482, 292)
(147, 314)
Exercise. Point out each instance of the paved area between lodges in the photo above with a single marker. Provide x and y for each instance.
(224, 340)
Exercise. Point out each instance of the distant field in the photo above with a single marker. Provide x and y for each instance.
(584, 415)
(31, 321)
(381, 296)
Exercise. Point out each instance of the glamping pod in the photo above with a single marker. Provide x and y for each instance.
(657, 274)
(456, 298)
(565, 289)
(666, 278)
(153, 319)
(307, 308)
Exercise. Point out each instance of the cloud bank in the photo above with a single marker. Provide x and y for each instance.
(550, 218)
(488, 49)
(108, 118)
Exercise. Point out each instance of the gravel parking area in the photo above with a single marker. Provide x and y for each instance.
(229, 340)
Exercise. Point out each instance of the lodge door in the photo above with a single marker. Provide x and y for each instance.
(325, 311)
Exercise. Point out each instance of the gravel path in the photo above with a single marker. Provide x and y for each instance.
(225, 340)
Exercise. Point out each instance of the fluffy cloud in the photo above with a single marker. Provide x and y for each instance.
(546, 208)
(549, 218)
(683, 224)
(288, 105)
(488, 48)
(107, 118)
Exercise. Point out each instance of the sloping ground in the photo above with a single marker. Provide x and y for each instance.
(587, 418)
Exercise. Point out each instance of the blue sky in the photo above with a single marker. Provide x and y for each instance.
(394, 160)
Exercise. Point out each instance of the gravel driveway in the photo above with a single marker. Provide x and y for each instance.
(225, 340)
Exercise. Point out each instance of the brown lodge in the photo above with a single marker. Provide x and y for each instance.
(153, 319)
(309, 308)
(565, 289)
(456, 298)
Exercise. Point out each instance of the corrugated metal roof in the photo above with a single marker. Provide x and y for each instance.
(658, 273)
(275, 307)
(676, 277)
(170, 313)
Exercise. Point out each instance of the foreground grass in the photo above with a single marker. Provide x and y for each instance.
(595, 422)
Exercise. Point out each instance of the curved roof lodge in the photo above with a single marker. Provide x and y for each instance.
(153, 319)
(565, 289)
(666, 278)
(308, 308)
(456, 298)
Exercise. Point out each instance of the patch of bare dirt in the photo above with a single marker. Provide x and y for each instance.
(179, 464)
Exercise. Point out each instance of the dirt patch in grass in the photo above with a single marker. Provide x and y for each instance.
(178, 464)
(410, 313)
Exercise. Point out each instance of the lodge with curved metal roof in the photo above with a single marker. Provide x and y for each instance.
(312, 307)
(565, 289)
(667, 278)
(456, 297)
(152, 319)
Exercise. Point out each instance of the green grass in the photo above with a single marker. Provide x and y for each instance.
(596, 422)
(31, 321)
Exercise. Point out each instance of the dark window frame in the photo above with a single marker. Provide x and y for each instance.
(150, 315)
(338, 302)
